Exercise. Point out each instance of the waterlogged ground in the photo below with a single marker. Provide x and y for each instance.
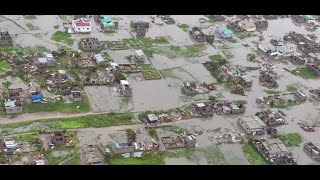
(175, 67)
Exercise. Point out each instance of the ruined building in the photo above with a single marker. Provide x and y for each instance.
(312, 150)
(252, 125)
(175, 142)
(5, 39)
(271, 118)
(270, 16)
(267, 80)
(297, 19)
(58, 138)
(125, 89)
(197, 35)
(90, 44)
(139, 56)
(13, 106)
(234, 26)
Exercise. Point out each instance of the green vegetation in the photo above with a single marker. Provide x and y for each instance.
(271, 91)
(149, 72)
(4, 66)
(27, 137)
(304, 73)
(292, 87)
(234, 88)
(240, 102)
(232, 40)
(124, 102)
(175, 129)
(148, 51)
(244, 35)
(146, 159)
(55, 156)
(32, 27)
(251, 57)
(213, 99)
(291, 139)
(63, 17)
(30, 17)
(216, 57)
(64, 37)
(143, 42)
(213, 155)
(228, 54)
(118, 77)
(73, 161)
(23, 77)
(41, 49)
(100, 120)
(169, 73)
(131, 135)
(249, 68)
(153, 133)
(187, 153)
(283, 105)
(253, 156)
(58, 106)
(184, 27)
(7, 84)
(186, 51)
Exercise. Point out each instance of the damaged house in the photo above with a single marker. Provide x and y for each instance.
(122, 148)
(247, 25)
(125, 89)
(193, 89)
(313, 68)
(234, 26)
(267, 80)
(271, 118)
(270, 16)
(47, 61)
(312, 150)
(274, 151)
(297, 19)
(140, 27)
(261, 24)
(252, 125)
(228, 71)
(10, 145)
(13, 106)
(90, 155)
(139, 56)
(99, 59)
(5, 39)
(197, 35)
(35, 94)
(300, 95)
(183, 141)
(90, 44)
(107, 24)
(216, 17)
(85, 63)
(299, 60)
(57, 79)
(229, 108)
(17, 94)
(58, 138)
(244, 81)
(201, 110)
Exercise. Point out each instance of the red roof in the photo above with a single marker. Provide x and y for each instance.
(82, 22)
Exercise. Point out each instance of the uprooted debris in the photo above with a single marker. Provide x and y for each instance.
(90, 155)
(306, 126)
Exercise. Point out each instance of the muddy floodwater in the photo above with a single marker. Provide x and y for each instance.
(175, 63)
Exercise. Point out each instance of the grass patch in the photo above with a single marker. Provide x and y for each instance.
(287, 104)
(251, 57)
(187, 153)
(4, 66)
(27, 137)
(292, 87)
(74, 161)
(153, 133)
(271, 91)
(233, 88)
(143, 42)
(59, 106)
(228, 54)
(63, 17)
(240, 102)
(304, 73)
(23, 77)
(232, 40)
(124, 102)
(216, 57)
(146, 159)
(30, 17)
(55, 156)
(169, 73)
(175, 129)
(184, 27)
(148, 51)
(244, 35)
(41, 49)
(96, 121)
(131, 135)
(250, 68)
(213, 155)
(64, 37)
(291, 139)
(253, 156)
(186, 51)
(32, 27)
(149, 72)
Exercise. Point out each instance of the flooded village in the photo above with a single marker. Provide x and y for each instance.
(159, 90)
